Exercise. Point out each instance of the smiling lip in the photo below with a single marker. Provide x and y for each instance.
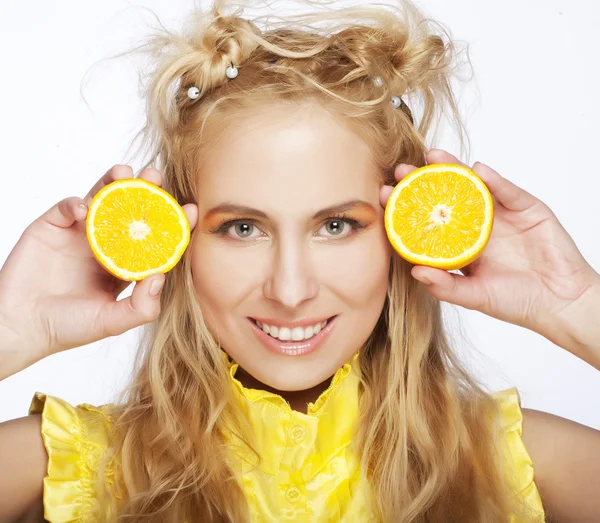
(291, 324)
(293, 348)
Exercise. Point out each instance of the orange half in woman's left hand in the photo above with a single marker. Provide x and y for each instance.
(440, 215)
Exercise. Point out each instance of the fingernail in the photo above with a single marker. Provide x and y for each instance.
(155, 287)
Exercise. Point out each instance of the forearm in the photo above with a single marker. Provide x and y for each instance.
(577, 329)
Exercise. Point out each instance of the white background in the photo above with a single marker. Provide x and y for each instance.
(531, 111)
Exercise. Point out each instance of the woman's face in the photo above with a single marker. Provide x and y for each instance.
(291, 259)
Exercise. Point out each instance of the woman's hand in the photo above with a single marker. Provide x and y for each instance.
(530, 274)
(54, 295)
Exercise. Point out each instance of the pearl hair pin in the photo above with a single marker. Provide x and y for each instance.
(396, 101)
(193, 93)
(231, 72)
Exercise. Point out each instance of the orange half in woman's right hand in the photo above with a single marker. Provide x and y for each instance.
(136, 229)
(440, 215)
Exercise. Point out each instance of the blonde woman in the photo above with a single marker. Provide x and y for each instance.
(282, 145)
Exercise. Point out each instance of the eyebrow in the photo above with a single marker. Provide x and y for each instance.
(249, 211)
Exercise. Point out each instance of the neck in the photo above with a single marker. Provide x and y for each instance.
(297, 399)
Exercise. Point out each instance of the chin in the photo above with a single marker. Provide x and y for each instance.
(292, 382)
(294, 373)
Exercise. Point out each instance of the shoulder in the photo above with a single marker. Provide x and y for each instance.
(23, 465)
(75, 438)
(566, 457)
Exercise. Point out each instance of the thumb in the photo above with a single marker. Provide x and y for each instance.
(143, 306)
(451, 288)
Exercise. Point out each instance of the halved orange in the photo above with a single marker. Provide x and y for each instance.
(136, 229)
(440, 215)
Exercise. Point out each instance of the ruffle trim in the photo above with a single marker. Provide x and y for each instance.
(521, 471)
(75, 438)
(260, 395)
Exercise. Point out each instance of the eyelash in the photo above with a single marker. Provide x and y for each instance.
(224, 227)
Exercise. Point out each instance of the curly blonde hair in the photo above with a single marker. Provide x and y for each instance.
(429, 436)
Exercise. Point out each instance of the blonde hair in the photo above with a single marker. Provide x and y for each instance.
(429, 437)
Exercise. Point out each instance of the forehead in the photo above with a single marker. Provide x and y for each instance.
(287, 151)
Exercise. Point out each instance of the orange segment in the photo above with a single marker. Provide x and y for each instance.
(440, 216)
(136, 229)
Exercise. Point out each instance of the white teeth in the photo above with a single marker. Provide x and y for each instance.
(295, 334)
(298, 333)
(284, 334)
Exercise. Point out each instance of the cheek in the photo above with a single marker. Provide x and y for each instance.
(359, 271)
(222, 275)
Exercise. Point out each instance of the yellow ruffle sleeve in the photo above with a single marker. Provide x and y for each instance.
(75, 438)
(519, 464)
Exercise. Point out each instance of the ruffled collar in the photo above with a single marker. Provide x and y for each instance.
(326, 427)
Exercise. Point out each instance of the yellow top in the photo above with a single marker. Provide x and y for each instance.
(308, 472)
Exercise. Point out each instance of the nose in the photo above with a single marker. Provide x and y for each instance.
(292, 279)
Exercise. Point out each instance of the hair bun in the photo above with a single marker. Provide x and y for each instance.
(211, 47)
(228, 40)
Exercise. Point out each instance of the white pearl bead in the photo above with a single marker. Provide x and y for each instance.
(378, 81)
(231, 72)
(396, 102)
(193, 93)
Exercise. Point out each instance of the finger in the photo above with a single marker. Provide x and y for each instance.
(507, 193)
(66, 212)
(441, 156)
(451, 288)
(384, 194)
(151, 174)
(117, 172)
(139, 308)
(191, 212)
(402, 170)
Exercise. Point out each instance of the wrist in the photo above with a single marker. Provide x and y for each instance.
(578, 327)
(15, 355)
